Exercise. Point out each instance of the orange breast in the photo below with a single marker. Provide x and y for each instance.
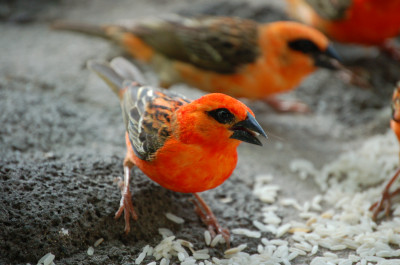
(368, 22)
(187, 168)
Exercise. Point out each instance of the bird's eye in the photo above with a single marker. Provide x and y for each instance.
(304, 46)
(222, 115)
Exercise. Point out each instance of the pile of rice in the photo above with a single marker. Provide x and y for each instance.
(334, 227)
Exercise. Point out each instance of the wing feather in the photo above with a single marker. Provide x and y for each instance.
(147, 114)
(220, 44)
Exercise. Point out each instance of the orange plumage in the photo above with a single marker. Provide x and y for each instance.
(367, 22)
(228, 55)
(384, 202)
(183, 145)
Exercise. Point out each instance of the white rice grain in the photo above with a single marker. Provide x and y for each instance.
(282, 230)
(165, 232)
(246, 232)
(207, 237)
(293, 255)
(90, 251)
(164, 261)
(174, 218)
(338, 247)
(330, 255)
(181, 256)
(142, 255)
(299, 251)
(198, 255)
(235, 250)
(46, 259)
(216, 240)
(314, 250)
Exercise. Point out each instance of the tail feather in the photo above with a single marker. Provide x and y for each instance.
(105, 72)
(118, 74)
(128, 70)
(89, 29)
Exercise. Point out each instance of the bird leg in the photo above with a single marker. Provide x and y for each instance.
(125, 204)
(209, 219)
(384, 202)
(286, 106)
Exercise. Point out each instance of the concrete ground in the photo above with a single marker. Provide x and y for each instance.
(62, 145)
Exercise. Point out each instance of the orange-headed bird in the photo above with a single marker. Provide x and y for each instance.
(366, 22)
(229, 55)
(384, 202)
(183, 145)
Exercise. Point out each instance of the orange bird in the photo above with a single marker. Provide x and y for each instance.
(384, 202)
(183, 145)
(366, 22)
(229, 55)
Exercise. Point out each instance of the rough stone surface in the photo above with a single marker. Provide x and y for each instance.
(62, 145)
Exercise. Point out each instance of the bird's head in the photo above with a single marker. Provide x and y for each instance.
(217, 120)
(296, 44)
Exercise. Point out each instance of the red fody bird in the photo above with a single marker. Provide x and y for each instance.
(366, 22)
(229, 55)
(183, 145)
(384, 202)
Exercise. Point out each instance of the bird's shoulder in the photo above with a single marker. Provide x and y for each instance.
(148, 113)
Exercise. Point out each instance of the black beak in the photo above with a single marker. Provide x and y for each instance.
(329, 59)
(248, 130)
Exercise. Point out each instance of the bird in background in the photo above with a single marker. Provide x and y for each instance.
(183, 145)
(384, 202)
(229, 55)
(365, 22)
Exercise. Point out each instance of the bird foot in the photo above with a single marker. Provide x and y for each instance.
(385, 201)
(383, 204)
(125, 204)
(209, 219)
(287, 106)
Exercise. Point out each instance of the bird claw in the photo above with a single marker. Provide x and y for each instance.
(126, 206)
(383, 203)
(209, 219)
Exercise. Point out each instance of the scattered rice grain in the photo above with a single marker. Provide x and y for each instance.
(207, 237)
(90, 251)
(282, 230)
(216, 240)
(174, 218)
(246, 232)
(46, 259)
(198, 255)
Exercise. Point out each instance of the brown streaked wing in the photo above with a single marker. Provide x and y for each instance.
(220, 44)
(330, 9)
(147, 115)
